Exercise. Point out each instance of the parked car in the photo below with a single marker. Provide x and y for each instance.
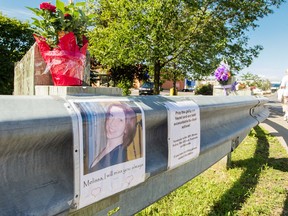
(146, 88)
(189, 89)
(275, 86)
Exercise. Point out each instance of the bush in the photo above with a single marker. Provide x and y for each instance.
(242, 86)
(125, 85)
(15, 40)
(204, 89)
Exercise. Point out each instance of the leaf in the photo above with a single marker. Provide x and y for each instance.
(80, 4)
(60, 5)
(35, 10)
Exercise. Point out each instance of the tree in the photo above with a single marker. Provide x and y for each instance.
(124, 75)
(252, 79)
(15, 41)
(265, 85)
(172, 72)
(255, 80)
(195, 34)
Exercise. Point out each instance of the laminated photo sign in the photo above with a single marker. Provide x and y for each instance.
(109, 148)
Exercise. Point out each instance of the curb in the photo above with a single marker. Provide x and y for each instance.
(273, 131)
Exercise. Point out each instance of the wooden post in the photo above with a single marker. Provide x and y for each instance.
(30, 72)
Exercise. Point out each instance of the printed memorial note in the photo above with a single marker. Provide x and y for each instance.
(183, 132)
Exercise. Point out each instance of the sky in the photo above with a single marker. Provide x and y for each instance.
(272, 34)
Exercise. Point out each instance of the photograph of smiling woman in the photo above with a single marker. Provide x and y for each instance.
(93, 120)
(120, 130)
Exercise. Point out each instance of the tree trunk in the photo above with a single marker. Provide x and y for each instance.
(174, 84)
(157, 68)
(174, 80)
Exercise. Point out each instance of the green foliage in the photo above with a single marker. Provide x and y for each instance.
(255, 80)
(265, 85)
(15, 41)
(128, 72)
(60, 18)
(124, 75)
(250, 77)
(125, 85)
(194, 34)
(172, 72)
(204, 89)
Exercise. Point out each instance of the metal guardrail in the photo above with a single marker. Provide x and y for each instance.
(36, 152)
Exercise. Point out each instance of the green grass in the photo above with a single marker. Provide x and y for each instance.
(256, 184)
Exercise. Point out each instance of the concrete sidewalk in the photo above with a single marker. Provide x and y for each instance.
(275, 124)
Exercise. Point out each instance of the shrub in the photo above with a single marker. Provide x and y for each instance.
(125, 85)
(242, 86)
(204, 89)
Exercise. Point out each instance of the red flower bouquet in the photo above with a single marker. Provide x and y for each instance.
(61, 41)
(65, 62)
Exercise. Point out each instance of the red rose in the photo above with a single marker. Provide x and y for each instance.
(48, 6)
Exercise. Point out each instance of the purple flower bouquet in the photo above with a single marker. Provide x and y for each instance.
(222, 73)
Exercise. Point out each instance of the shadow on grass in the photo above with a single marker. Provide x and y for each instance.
(236, 196)
(280, 164)
(285, 209)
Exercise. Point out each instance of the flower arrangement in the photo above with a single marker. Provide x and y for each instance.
(222, 73)
(57, 20)
(60, 36)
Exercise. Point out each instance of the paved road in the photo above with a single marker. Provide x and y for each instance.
(275, 123)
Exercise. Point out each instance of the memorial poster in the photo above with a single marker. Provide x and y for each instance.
(183, 132)
(109, 147)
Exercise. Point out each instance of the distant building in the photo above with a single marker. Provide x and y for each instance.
(169, 84)
(182, 85)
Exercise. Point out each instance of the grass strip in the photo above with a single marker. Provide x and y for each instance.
(256, 184)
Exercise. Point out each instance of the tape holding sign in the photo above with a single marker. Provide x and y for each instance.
(110, 137)
(183, 132)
